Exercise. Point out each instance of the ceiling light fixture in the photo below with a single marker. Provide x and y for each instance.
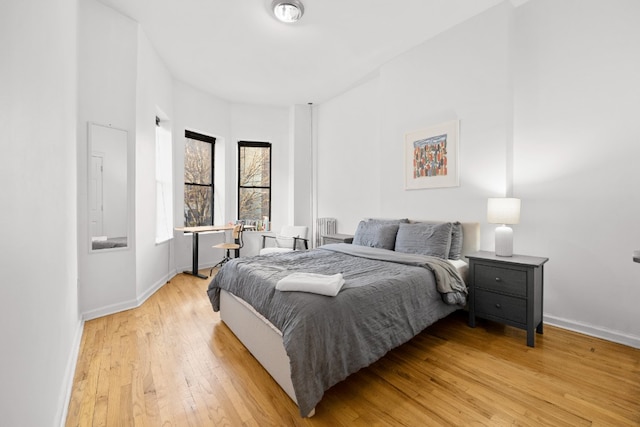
(287, 10)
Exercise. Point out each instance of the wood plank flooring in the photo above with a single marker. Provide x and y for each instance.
(172, 362)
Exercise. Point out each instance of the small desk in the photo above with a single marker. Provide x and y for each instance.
(196, 231)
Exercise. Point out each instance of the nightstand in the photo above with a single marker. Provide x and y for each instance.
(508, 290)
(336, 238)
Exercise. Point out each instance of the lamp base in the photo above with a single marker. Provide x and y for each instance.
(504, 241)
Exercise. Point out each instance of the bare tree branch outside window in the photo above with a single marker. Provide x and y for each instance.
(254, 175)
(198, 179)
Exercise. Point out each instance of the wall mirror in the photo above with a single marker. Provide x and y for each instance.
(107, 187)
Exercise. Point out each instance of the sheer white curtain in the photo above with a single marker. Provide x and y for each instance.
(164, 185)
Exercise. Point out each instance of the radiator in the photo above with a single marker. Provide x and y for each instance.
(324, 226)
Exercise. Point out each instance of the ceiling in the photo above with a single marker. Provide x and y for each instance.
(236, 50)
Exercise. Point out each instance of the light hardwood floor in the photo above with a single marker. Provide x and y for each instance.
(172, 362)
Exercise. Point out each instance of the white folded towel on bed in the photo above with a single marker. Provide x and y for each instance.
(321, 284)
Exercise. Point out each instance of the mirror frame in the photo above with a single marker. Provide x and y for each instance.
(97, 136)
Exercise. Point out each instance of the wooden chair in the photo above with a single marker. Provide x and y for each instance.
(237, 244)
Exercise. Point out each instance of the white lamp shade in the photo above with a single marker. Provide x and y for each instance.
(503, 210)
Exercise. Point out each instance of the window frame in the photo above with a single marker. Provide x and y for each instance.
(211, 140)
(257, 144)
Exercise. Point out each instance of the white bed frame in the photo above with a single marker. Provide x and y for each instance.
(264, 340)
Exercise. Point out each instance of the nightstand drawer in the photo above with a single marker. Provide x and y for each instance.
(501, 306)
(504, 280)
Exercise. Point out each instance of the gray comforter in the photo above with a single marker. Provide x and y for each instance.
(387, 299)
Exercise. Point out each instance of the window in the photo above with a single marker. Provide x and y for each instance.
(254, 180)
(164, 183)
(198, 179)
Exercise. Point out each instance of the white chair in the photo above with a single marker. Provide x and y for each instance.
(290, 238)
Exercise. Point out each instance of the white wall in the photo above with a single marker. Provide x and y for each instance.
(39, 318)
(122, 83)
(577, 145)
(107, 74)
(547, 98)
(461, 74)
(154, 88)
(349, 174)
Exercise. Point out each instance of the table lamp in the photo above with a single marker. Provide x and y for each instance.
(504, 211)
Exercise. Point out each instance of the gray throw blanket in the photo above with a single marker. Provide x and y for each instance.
(386, 300)
(448, 280)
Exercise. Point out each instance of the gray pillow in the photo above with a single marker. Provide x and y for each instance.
(376, 234)
(455, 252)
(426, 239)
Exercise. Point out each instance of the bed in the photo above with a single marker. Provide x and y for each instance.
(395, 285)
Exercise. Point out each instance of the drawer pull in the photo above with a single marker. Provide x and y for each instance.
(498, 306)
(498, 279)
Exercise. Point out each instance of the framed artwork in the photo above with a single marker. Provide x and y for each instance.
(431, 157)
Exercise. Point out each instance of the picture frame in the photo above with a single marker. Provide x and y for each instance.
(431, 157)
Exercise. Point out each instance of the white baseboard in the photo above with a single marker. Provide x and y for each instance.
(593, 331)
(69, 374)
(154, 288)
(109, 309)
(128, 305)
